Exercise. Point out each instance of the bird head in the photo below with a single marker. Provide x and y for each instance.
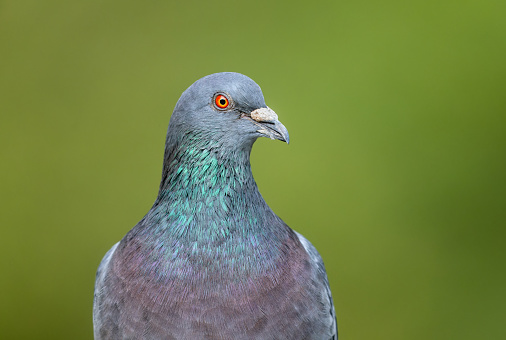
(225, 108)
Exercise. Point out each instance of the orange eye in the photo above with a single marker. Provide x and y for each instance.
(221, 101)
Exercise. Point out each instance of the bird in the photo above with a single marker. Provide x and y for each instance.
(210, 259)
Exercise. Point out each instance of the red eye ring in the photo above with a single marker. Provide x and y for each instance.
(221, 101)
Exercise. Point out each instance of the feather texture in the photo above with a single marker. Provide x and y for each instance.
(211, 260)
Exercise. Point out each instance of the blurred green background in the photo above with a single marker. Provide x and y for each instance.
(396, 170)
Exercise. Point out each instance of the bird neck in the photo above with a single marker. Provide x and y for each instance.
(209, 210)
(207, 190)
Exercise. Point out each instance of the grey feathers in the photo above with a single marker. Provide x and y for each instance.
(211, 260)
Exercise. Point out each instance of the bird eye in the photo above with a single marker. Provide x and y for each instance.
(221, 101)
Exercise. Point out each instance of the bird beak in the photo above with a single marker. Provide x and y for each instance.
(269, 124)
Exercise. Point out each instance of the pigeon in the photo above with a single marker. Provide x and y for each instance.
(210, 259)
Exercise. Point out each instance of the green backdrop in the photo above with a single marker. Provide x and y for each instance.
(396, 171)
